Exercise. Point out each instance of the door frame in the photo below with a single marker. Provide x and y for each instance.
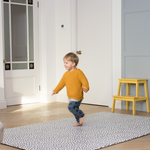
(2, 92)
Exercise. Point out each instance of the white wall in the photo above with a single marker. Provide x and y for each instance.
(47, 49)
(116, 46)
(63, 40)
(2, 96)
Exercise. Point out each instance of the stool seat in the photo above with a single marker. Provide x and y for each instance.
(128, 97)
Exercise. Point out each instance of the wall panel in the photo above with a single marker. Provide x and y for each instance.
(136, 45)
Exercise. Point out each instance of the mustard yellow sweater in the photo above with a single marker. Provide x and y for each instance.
(74, 81)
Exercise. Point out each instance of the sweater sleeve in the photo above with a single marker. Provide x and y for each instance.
(84, 81)
(60, 85)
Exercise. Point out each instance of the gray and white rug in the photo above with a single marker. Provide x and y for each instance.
(99, 130)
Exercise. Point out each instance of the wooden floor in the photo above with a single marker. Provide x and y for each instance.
(15, 116)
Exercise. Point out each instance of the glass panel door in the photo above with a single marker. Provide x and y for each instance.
(21, 36)
(18, 34)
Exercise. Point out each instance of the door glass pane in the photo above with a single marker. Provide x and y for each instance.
(19, 1)
(30, 20)
(18, 66)
(19, 33)
(6, 32)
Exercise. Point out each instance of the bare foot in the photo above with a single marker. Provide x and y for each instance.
(77, 124)
(81, 120)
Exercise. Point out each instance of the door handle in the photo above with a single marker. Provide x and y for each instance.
(78, 52)
(4, 61)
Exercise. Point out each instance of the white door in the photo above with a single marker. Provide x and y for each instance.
(94, 41)
(21, 51)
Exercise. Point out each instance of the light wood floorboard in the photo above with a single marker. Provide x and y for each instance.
(21, 115)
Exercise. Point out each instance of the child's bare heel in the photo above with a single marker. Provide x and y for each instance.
(81, 120)
(77, 124)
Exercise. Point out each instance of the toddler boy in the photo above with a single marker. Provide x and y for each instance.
(75, 82)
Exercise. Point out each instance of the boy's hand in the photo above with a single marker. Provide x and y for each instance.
(85, 90)
(54, 93)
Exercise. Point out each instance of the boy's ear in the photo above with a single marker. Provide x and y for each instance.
(74, 64)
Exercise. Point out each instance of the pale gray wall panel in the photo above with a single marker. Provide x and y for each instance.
(136, 3)
(137, 66)
(137, 32)
(136, 46)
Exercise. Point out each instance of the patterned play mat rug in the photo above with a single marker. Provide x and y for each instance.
(99, 130)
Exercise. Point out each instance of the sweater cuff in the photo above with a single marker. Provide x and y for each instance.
(85, 88)
(55, 91)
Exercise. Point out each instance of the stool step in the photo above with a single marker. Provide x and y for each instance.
(130, 98)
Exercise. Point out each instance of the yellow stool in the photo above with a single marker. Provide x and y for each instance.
(133, 99)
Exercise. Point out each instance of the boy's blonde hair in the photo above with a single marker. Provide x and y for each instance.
(72, 57)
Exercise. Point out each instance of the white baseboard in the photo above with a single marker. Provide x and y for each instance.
(22, 100)
(3, 104)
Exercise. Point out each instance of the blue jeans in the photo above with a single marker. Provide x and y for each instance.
(74, 108)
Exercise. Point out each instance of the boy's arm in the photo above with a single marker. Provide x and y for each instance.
(84, 81)
(60, 85)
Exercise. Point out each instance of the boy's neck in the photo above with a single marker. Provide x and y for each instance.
(72, 69)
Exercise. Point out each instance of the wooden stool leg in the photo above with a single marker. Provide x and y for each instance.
(127, 102)
(137, 89)
(146, 95)
(128, 89)
(113, 106)
(127, 105)
(119, 88)
(147, 104)
(134, 106)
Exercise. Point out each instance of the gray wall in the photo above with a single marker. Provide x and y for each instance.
(136, 45)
